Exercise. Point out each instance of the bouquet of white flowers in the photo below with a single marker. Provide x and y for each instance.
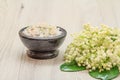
(95, 48)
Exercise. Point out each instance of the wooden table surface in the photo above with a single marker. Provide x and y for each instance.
(69, 14)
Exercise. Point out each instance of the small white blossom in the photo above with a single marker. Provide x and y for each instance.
(95, 48)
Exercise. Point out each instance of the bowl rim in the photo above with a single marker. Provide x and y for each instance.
(63, 34)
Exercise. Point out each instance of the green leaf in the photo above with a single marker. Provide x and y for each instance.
(105, 75)
(71, 67)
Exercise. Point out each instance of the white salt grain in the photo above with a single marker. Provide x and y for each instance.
(42, 31)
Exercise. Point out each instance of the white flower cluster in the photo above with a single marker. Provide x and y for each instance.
(42, 30)
(95, 48)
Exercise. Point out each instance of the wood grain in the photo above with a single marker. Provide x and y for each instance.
(69, 14)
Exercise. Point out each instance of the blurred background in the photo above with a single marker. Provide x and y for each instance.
(65, 13)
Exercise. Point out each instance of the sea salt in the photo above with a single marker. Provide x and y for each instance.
(42, 30)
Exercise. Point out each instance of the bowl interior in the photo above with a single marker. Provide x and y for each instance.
(63, 34)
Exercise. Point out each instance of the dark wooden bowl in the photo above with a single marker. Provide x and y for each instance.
(42, 48)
